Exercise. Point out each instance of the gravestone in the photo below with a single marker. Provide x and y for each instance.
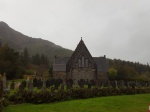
(125, 84)
(101, 84)
(52, 89)
(93, 82)
(4, 81)
(1, 85)
(148, 84)
(62, 87)
(105, 84)
(58, 82)
(113, 84)
(81, 83)
(35, 82)
(89, 84)
(12, 86)
(23, 83)
(21, 88)
(30, 85)
(39, 84)
(43, 89)
(121, 84)
(69, 83)
(47, 85)
(108, 84)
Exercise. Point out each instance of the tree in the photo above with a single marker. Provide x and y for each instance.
(9, 61)
(25, 57)
(112, 73)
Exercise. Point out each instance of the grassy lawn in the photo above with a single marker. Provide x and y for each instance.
(128, 103)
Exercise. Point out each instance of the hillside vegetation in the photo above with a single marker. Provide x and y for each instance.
(126, 70)
(19, 41)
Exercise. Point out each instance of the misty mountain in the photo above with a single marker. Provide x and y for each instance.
(19, 41)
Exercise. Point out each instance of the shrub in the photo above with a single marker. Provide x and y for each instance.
(74, 93)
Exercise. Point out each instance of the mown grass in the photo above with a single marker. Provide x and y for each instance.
(127, 103)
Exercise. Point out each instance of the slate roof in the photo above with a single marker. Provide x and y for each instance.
(60, 64)
(101, 63)
(59, 68)
(60, 60)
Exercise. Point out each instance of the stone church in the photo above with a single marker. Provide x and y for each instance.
(81, 65)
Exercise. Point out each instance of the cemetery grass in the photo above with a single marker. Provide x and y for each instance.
(125, 103)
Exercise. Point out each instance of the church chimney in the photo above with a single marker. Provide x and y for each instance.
(105, 56)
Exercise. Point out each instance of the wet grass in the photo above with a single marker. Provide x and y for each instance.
(127, 103)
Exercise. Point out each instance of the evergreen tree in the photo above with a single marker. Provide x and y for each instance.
(25, 57)
(9, 61)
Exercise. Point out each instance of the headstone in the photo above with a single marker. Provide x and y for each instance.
(12, 86)
(81, 83)
(62, 87)
(93, 82)
(133, 84)
(108, 84)
(89, 85)
(52, 89)
(121, 84)
(35, 82)
(76, 84)
(1, 85)
(47, 85)
(113, 84)
(24, 84)
(21, 88)
(30, 86)
(148, 84)
(39, 84)
(43, 89)
(128, 84)
(105, 84)
(68, 85)
(4, 81)
(101, 84)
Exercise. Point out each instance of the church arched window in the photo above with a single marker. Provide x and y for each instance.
(86, 63)
(79, 62)
(83, 61)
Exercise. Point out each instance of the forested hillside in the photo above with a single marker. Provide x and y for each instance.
(18, 41)
(126, 70)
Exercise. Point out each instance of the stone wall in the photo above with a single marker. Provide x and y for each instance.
(83, 73)
(101, 76)
(61, 75)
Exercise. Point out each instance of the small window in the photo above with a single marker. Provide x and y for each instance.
(82, 61)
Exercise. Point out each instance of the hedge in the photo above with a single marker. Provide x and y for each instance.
(63, 95)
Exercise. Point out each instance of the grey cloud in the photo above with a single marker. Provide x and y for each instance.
(117, 28)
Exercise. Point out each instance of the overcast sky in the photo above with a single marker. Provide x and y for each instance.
(116, 28)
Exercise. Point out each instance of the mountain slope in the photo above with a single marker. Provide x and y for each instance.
(18, 41)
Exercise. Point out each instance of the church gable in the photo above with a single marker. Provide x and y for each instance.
(81, 65)
(81, 58)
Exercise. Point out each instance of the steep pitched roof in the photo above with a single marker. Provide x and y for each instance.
(80, 49)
